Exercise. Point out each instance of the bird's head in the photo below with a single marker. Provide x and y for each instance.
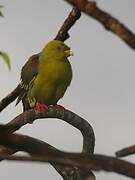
(57, 49)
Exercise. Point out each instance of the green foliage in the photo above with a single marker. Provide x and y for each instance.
(6, 59)
(1, 14)
(3, 54)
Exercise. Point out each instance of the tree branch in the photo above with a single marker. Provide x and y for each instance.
(68, 23)
(10, 97)
(50, 154)
(15, 142)
(96, 162)
(33, 146)
(109, 22)
(67, 116)
(126, 151)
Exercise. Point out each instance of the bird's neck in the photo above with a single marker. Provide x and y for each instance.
(50, 57)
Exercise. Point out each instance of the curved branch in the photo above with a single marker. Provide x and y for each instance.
(126, 151)
(66, 115)
(109, 22)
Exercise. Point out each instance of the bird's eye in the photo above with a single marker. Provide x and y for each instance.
(59, 48)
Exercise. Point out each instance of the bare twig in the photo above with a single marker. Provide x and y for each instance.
(10, 98)
(126, 151)
(108, 21)
(68, 23)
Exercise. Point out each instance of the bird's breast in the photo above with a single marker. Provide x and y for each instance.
(52, 81)
(56, 71)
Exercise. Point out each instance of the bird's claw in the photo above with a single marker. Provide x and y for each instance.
(41, 107)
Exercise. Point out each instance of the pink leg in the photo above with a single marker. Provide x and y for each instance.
(41, 107)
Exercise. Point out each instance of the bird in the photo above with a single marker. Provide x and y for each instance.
(46, 76)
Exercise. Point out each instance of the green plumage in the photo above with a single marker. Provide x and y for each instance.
(28, 72)
(30, 69)
(46, 78)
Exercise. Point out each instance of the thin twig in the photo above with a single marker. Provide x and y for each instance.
(68, 23)
(126, 151)
(109, 22)
(10, 98)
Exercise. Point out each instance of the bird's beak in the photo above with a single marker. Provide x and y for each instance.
(69, 53)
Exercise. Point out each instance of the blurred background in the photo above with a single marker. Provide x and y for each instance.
(103, 86)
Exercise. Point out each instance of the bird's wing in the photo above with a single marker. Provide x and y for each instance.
(28, 74)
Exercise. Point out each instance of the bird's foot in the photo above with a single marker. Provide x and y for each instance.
(41, 107)
(58, 107)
